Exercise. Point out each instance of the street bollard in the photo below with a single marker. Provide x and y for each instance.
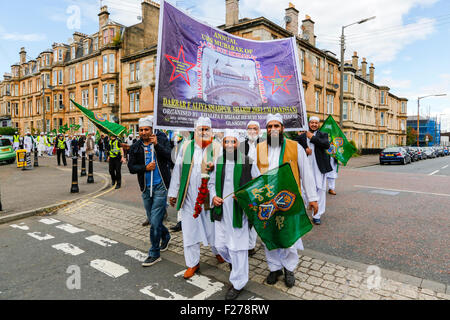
(90, 178)
(28, 165)
(74, 188)
(36, 163)
(83, 164)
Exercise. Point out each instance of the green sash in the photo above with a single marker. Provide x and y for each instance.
(237, 210)
(186, 168)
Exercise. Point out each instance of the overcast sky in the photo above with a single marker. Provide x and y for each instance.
(408, 41)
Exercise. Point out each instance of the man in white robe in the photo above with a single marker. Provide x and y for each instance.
(269, 156)
(332, 176)
(232, 233)
(316, 145)
(183, 192)
(41, 144)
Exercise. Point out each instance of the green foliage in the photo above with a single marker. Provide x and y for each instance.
(411, 136)
(8, 131)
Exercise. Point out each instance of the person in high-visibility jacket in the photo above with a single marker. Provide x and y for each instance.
(41, 144)
(61, 147)
(16, 141)
(115, 159)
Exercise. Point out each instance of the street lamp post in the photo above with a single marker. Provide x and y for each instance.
(418, 107)
(341, 98)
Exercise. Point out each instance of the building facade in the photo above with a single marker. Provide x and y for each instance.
(428, 128)
(112, 72)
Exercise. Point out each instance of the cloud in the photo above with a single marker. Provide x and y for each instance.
(16, 36)
(395, 83)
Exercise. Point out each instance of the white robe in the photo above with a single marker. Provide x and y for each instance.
(288, 258)
(195, 230)
(320, 180)
(28, 143)
(332, 175)
(252, 155)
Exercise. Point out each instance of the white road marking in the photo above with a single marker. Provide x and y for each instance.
(135, 254)
(22, 226)
(104, 242)
(433, 172)
(38, 235)
(49, 221)
(69, 228)
(444, 167)
(209, 288)
(109, 268)
(431, 193)
(389, 193)
(68, 248)
(172, 295)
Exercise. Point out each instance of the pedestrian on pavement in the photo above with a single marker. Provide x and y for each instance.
(115, 159)
(16, 141)
(68, 143)
(232, 233)
(74, 146)
(28, 143)
(316, 144)
(90, 144)
(332, 176)
(196, 159)
(106, 146)
(101, 148)
(269, 155)
(81, 145)
(61, 148)
(151, 155)
(41, 144)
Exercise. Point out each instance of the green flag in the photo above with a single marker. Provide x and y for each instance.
(101, 123)
(340, 148)
(63, 129)
(273, 205)
(75, 127)
(97, 137)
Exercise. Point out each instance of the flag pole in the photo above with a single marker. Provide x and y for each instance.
(151, 174)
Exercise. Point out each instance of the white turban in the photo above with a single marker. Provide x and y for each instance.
(146, 122)
(42, 133)
(272, 117)
(255, 123)
(314, 118)
(203, 122)
(231, 133)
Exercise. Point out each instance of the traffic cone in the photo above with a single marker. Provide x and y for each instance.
(90, 178)
(74, 188)
(83, 164)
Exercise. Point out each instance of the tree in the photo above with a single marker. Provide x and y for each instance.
(411, 136)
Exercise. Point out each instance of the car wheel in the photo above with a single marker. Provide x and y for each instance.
(403, 161)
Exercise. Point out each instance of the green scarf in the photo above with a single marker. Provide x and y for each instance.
(186, 168)
(237, 210)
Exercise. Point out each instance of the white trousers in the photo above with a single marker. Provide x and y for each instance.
(239, 261)
(322, 203)
(331, 183)
(279, 258)
(192, 254)
(252, 235)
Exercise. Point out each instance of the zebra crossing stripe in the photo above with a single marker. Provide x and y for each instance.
(135, 254)
(22, 226)
(68, 249)
(109, 268)
(38, 236)
(69, 228)
(104, 242)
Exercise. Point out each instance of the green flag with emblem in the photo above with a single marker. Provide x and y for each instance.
(100, 122)
(274, 206)
(340, 148)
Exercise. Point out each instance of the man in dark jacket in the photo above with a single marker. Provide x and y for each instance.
(316, 144)
(150, 158)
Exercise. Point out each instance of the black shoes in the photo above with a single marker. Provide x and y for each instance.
(146, 223)
(272, 278)
(289, 278)
(232, 293)
(150, 261)
(117, 186)
(251, 252)
(165, 244)
(176, 227)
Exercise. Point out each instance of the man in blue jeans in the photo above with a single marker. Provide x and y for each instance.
(151, 154)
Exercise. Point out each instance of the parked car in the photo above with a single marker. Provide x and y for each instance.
(440, 151)
(446, 150)
(430, 153)
(394, 154)
(7, 152)
(421, 155)
(412, 153)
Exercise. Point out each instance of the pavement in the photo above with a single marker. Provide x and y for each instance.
(326, 270)
(362, 161)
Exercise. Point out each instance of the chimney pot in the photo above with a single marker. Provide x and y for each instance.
(364, 68)
(292, 13)
(308, 29)
(355, 61)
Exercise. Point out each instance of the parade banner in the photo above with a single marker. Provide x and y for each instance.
(100, 122)
(204, 71)
(274, 206)
(340, 148)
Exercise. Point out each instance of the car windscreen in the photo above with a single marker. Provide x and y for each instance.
(5, 142)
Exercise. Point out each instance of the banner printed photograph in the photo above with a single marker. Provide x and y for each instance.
(203, 71)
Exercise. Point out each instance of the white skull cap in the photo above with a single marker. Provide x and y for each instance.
(203, 122)
(256, 123)
(231, 133)
(312, 118)
(146, 122)
(272, 117)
